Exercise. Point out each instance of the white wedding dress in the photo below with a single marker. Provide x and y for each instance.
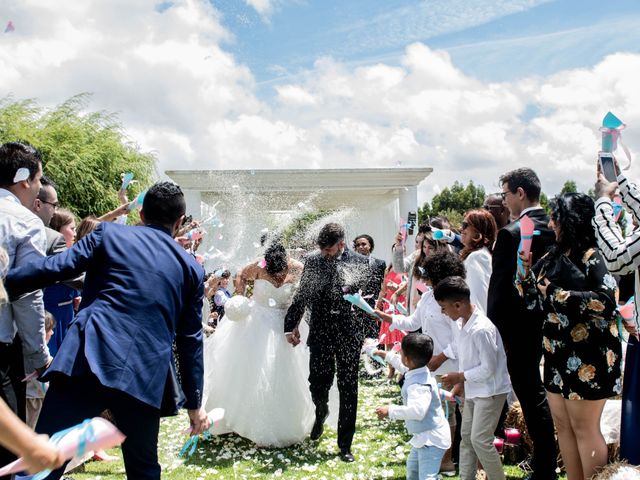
(256, 376)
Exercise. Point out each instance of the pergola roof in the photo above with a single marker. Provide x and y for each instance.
(300, 180)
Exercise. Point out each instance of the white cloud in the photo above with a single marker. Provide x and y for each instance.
(293, 94)
(263, 7)
(180, 93)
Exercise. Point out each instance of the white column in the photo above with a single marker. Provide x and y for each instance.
(408, 201)
(193, 199)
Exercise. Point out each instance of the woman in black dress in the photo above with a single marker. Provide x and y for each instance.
(576, 297)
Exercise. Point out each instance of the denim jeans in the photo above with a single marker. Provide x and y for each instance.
(424, 463)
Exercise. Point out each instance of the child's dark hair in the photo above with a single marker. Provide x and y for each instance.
(49, 321)
(440, 265)
(453, 289)
(418, 347)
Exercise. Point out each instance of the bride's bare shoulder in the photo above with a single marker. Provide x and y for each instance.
(250, 271)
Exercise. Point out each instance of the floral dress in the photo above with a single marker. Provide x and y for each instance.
(582, 350)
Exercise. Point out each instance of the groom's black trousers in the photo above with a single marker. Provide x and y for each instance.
(324, 362)
(70, 400)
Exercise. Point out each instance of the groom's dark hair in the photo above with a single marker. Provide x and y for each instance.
(330, 234)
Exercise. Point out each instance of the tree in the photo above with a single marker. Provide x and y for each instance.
(84, 153)
(569, 187)
(457, 198)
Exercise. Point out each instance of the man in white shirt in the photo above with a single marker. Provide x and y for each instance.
(22, 333)
(483, 370)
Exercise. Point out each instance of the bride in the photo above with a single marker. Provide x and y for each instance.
(250, 369)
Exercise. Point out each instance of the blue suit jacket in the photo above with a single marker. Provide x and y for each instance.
(141, 292)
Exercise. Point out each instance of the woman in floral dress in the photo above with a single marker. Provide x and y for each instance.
(576, 297)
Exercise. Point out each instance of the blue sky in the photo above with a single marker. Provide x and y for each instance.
(470, 88)
(498, 40)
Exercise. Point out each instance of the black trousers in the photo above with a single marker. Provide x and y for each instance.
(523, 363)
(70, 400)
(12, 388)
(324, 363)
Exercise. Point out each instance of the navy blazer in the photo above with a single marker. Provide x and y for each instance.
(142, 292)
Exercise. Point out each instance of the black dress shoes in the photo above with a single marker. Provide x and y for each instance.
(346, 456)
(318, 425)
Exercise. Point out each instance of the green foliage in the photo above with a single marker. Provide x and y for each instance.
(453, 200)
(84, 153)
(294, 236)
(544, 202)
(569, 187)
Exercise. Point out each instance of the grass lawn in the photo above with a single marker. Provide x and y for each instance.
(380, 448)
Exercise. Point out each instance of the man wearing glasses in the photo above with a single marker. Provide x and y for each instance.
(44, 206)
(521, 331)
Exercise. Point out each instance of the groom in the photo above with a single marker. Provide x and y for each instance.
(335, 332)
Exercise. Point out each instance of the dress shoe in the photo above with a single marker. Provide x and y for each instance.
(346, 456)
(318, 425)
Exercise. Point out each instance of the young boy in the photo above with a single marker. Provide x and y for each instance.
(429, 317)
(35, 388)
(222, 294)
(421, 409)
(483, 370)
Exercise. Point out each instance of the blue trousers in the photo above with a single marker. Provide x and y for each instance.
(629, 436)
(424, 463)
(70, 400)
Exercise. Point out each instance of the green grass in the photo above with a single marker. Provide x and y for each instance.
(380, 448)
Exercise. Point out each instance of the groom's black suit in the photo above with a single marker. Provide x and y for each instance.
(335, 332)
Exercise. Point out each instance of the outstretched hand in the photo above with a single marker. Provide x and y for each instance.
(384, 317)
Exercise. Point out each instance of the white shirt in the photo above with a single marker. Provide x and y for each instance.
(478, 267)
(418, 400)
(438, 326)
(529, 209)
(22, 235)
(482, 358)
(220, 298)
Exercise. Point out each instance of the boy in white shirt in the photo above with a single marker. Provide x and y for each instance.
(429, 317)
(421, 409)
(483, 369)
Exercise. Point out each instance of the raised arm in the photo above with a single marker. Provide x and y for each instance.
(622, 255)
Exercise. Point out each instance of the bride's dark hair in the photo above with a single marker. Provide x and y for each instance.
(275, 257)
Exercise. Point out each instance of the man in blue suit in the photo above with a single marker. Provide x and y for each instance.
(142, 292)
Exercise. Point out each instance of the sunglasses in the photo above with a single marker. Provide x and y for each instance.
(53, 204)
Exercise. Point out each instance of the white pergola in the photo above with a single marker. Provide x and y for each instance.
(372, 201)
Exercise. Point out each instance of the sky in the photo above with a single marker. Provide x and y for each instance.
(471, 88)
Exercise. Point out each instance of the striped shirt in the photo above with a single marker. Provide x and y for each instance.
(622, 255)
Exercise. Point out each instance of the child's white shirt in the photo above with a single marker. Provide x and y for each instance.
(444, 331)
(482, 358)
(418, 401)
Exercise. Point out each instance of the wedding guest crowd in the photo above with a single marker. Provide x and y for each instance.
(464, 321)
